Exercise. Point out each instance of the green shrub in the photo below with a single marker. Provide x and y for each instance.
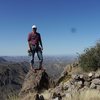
(90, 59)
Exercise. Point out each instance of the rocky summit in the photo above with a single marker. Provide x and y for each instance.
(73, 84)
(35, 82)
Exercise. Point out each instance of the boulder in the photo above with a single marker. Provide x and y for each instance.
(35, 82)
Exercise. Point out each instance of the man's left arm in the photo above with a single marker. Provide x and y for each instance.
(40, 40)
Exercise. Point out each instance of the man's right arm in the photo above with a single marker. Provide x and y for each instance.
(40, 41)
(29, 41)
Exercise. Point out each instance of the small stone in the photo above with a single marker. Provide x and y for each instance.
(86, 83)
(56, 98)
(80, 82)
(75, 76)
(97, 75)
(81, 76)
(92, 86)
(90, 74)
(85, 88)
(79, 85)
(96, 81)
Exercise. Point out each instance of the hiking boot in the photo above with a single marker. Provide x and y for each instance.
(34, 70)
(41, 68)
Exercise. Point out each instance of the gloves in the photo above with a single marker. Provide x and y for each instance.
(29, 52)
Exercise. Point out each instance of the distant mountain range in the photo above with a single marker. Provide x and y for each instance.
(2, 60)
(14, 69)
(11, 78)
(46, 58)
(53, 64)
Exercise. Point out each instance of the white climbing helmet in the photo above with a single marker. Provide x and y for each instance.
(34, 26)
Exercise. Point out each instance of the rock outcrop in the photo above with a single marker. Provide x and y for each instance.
(35, 82)
(73, 82)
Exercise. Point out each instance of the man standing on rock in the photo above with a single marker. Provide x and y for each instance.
(35, 46)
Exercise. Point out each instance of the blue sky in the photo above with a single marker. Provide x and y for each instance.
(66, 26)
